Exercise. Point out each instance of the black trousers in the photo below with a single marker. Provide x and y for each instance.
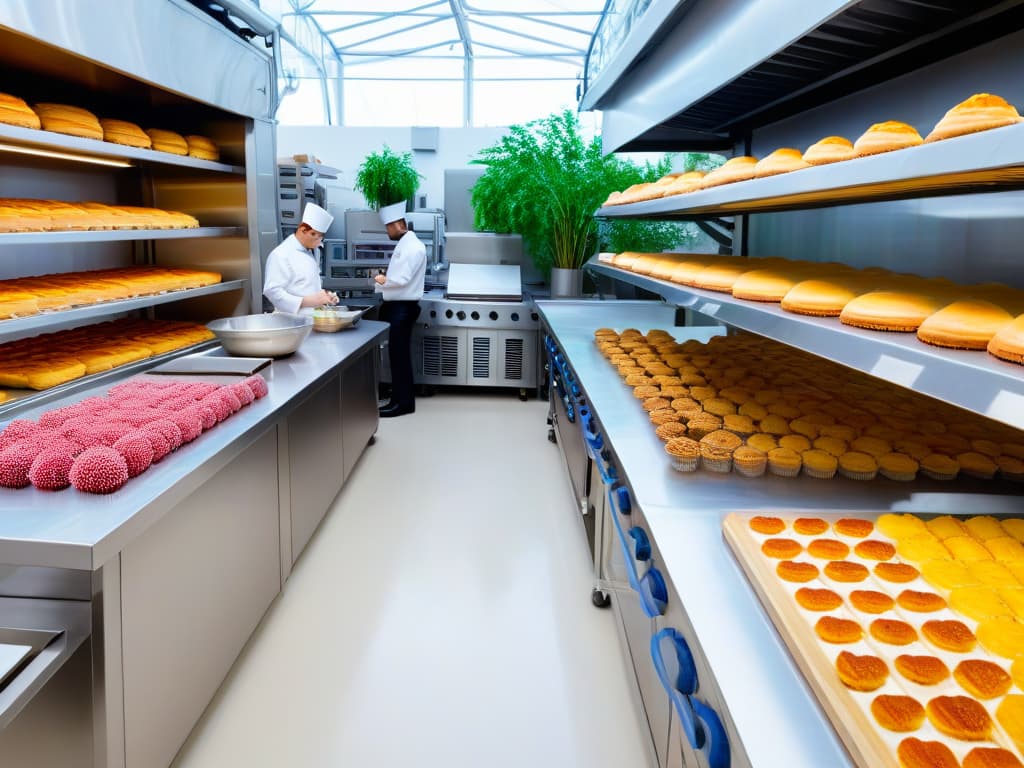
(401, 315)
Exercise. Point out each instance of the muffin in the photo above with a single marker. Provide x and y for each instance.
(975, 464)
(703, 424)
(940, 467)
(774, 425)
(716, 450)
(740, 425)
(818, 464)
(718, 406)
(832, 445)
(797, 443)
(784, 462)
(749, 461)
(684, 453)
(858, 465)
(897, 466)
(762, 442)
(670, 430)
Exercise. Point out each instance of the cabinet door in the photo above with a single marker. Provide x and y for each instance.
(358, 409)
(637, 627)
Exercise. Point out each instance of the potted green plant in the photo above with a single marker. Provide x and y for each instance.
(387, 180)
(544, 181)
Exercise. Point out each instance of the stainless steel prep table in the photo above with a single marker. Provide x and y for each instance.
(178, 567)
(82, 531)
(777, 718)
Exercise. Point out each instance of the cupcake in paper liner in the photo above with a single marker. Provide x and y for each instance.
(749, 461)
(784, 462)
(900, 467)
(819, 464)
(938, 466)
(716, 450)
(858, 465)
(684, 453)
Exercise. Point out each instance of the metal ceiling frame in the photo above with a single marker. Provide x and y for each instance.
(465, 15)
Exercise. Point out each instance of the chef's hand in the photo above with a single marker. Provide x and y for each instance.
(319, 298)
(380, 279)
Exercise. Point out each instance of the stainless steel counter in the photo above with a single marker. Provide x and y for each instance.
(777, 717)
(69, 529)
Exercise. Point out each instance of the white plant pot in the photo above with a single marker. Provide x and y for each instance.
(566, 283)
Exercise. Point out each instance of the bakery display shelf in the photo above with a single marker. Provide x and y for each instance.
(114, 235)
(988, 161)
(973, 380)
(14, 139)
(728, 68)
(18, 399)
(69, 318)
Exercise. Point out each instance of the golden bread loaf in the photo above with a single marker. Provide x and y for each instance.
(901, 311)
(781, 160)
(1008, 342)
(202, 147)
(167, 141)
(831, 149)
(14, 111)
(886, 137)
(684, 182)
(74, 121)
(965, 324)
(733, 170)
(980, 112)
(123, 132)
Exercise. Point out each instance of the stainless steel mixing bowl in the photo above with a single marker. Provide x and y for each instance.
(274, 335)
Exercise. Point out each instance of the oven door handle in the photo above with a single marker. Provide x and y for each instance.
(685, 683)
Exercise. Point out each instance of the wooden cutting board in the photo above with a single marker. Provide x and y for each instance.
(869, 745)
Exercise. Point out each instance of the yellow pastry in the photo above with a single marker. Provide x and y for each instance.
(922, 549)
(886, 137)
(964, 324)
(1005, 549)
(946, 526)
(897, 526)
(993, 573)
(966, 549)
(831, 149)
(978, 603)
(1002, 636)
(780, 161)
(1010, 714)
(947, 574)
(984, 527)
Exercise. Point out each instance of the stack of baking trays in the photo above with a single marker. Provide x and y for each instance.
(908, 628)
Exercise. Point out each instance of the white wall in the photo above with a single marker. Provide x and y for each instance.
(345, 148)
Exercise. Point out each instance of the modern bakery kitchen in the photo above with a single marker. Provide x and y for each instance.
(711, 451)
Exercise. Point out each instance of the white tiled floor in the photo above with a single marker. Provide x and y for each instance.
(440, 616)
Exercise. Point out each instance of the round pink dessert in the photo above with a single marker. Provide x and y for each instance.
(99, 470)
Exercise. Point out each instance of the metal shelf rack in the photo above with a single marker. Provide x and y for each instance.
(115, 235)
(70, 318)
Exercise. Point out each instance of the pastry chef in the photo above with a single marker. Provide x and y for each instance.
(292, 282)
(401, 289)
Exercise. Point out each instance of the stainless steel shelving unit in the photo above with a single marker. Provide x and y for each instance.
(16, 138)
(115, 235)
(68, 318)
(972, 380)
(989, 161)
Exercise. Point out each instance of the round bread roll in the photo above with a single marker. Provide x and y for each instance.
(168, 141)
(781, 160)
(202, 147)
(980, 112)
(886, 137)
(831, 149)
(733, 170)
(73, 121)
(123, 132)
(965, 324)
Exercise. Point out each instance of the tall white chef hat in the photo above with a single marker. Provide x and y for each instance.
(316, 217)
(393, 212)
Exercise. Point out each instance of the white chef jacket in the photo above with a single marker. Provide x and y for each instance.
(292, 273)
(406, 272)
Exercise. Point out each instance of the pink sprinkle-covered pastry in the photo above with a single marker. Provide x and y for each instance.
(137, 451)
(243, 393)
(17, 430)
(99, 470)
(189, 422)
(216, 403)
(258, 385)
(170, 430)
(15, 462)
(161, 445)
(51, 469)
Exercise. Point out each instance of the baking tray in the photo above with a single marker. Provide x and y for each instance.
(869, 745)
(210, 364)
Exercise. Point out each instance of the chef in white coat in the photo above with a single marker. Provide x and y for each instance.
(292, 282)
(401, 290)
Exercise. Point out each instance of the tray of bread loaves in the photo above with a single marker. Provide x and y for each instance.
(908, 628)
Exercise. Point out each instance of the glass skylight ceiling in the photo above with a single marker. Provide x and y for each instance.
(461, 51)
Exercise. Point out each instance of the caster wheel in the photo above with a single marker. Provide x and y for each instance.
(551, 436)
(372, 440)
(600, 599)
(522, 395)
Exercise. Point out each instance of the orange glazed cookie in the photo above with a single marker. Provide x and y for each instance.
(950, 635)
(893, 631)
(873, 549)
(899, 573)
(982, 679)
(898, 713)
(923, 670)
(788, 570)
(828, 549)
(871, 601)
(960, 717)
(834, 630)
(845, 571)
(783, 549)
(810, 526)
(861, 673)
(991, 757)
(921, 602)
(818, 599)
(914, 753)
(854, 526)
